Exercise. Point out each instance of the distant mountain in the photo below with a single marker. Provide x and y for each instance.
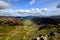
(54, 16)
(39, 17)
(29, 17)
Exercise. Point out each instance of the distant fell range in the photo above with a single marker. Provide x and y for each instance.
(54, 16)
(16, 20)
(29, 17)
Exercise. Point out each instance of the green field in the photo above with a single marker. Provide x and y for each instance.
(24, 32)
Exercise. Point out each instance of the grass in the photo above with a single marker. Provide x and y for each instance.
(24, 32)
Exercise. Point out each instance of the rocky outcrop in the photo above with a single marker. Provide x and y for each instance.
(10, 20)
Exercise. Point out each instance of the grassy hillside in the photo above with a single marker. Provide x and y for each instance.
(23, 32)
(18, 32)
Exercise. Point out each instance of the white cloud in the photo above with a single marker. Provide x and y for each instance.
(58, 5)
(32, 2)
(44, 9)
(33, 10)
(4, 4)
(23, 11)
(27, 11)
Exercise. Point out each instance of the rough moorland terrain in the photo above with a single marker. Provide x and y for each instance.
(18, 29)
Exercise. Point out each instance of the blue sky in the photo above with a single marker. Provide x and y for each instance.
(28, 5)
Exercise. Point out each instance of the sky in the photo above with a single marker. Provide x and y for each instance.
(28, 4)
(15, 7)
